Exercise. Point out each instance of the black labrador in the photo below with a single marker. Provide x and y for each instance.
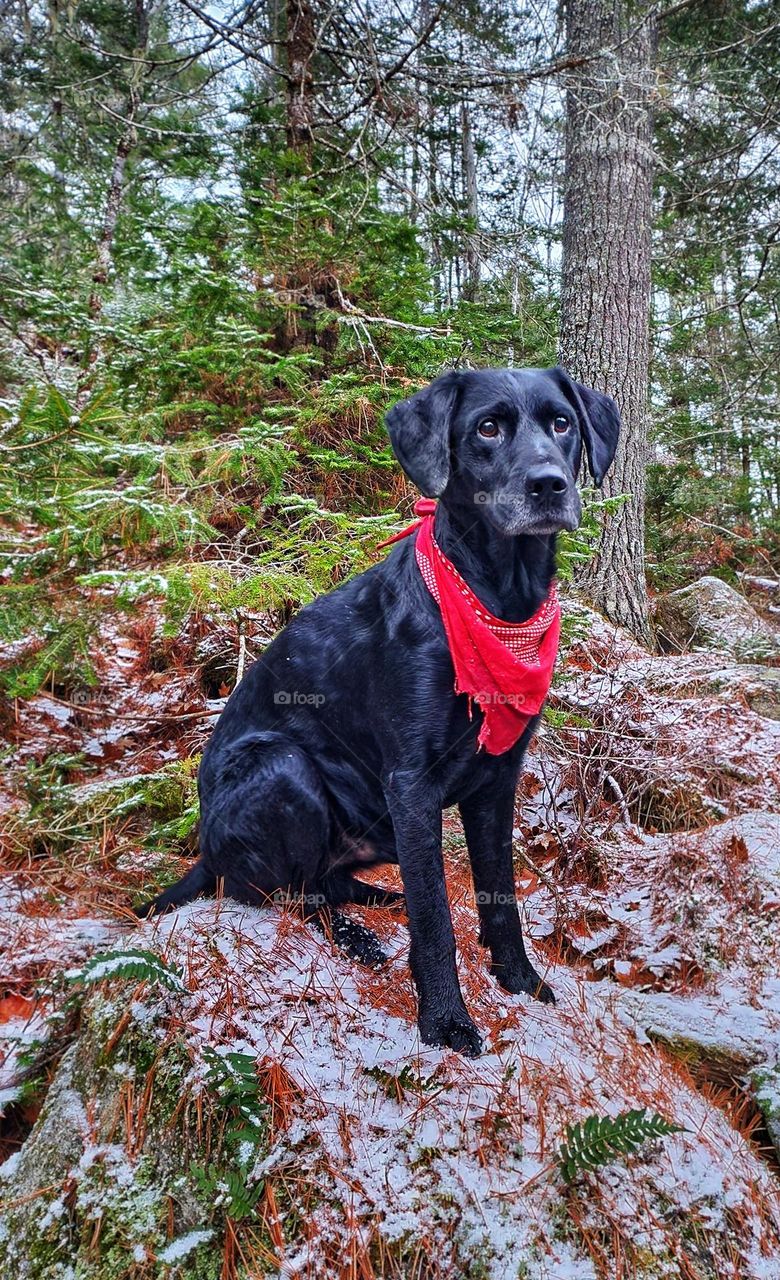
(345, 740)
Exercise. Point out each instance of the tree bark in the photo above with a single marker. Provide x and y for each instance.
(300, 89)
(124, 147)
(111, 215)
(605, 294)
(472, 202)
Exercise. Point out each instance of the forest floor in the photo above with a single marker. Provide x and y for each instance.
(263, 1106)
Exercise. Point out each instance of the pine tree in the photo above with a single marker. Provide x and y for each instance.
(605, 295)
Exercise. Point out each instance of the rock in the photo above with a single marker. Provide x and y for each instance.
(135, 1166)
(709, 614)
(719, 1041)
(735, 683)
(98, 1189)
(757, 684)
(762, 690)
(765, 1088)
(731, 1036)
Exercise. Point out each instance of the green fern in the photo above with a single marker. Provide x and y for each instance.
(140, 966)
(228, 1189)
(408, 1080)
(233, 1078)
(600, 1138)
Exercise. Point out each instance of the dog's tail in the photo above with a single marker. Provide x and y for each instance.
(197, 880)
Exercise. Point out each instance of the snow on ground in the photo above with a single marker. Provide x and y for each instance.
(648, 844)
(463, 1151)
(35, 945)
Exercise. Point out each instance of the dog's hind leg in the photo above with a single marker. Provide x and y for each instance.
(339, 888)
(267, 831)
(266, 823)
(373, 895)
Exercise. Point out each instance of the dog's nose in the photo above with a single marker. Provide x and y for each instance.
(546, 481)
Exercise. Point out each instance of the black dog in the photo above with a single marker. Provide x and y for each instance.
(345, 740)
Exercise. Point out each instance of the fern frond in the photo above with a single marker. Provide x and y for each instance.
(600, 1138)
(233, 1077)
(133, 963)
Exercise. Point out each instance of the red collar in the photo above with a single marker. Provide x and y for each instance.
(505, 667)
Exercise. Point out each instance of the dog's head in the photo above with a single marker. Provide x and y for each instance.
(508, 441)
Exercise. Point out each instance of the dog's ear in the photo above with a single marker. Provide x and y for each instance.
(419, 430)
(599, 422)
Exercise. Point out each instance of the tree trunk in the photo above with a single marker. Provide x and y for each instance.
(300, 51)
(605, 296)
(472, 203)
(124, 147)
(111, 215)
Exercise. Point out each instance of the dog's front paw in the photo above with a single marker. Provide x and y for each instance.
(454, 1030)
(523, 980)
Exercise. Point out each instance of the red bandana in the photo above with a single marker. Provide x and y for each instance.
(505, 667)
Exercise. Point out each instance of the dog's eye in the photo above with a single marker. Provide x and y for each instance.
(560, 424)
(489, 428)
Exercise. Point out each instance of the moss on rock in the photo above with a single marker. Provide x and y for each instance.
(101, 1188)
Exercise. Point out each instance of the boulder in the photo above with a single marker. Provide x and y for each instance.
(112, 1181)
(719, 1040)
(709, 614)
(751, 684)
(271, 1112)
(757, 684)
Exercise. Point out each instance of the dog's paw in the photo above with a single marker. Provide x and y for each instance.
(356, 941)
(452, 1031)
(523, 980)
(544, 994)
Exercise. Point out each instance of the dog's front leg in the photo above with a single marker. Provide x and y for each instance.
(488, 817)
(416, 816)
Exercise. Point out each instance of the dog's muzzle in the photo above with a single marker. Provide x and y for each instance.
(548, 503)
